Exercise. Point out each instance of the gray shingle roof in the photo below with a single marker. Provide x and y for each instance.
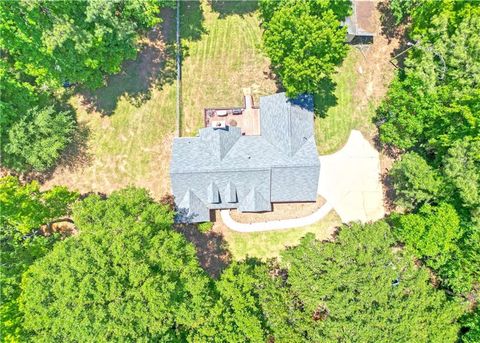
(220, 141)
(224, 169)
(286, 124)
(192, 209)
(254, 202)
(213, 194)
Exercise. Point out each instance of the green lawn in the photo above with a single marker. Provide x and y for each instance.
(264, 245)
(128, 124)
(222, 57)
(345, 109)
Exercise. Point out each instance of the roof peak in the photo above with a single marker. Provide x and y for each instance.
(287, 123)
(220, 140)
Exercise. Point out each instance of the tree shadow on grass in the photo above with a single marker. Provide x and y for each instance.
(229, 7)
(389, 28)
(270, 74)
(191, 20)
(76, 155)
(153, 68)
(325, 98)
(211, 248)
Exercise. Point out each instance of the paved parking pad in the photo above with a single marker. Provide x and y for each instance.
(350, 180)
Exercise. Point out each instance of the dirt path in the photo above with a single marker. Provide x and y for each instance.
(375, 71)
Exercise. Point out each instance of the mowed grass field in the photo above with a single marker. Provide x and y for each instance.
(222, 60)
(346, 109)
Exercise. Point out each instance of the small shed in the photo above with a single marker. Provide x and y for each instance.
(361, 24)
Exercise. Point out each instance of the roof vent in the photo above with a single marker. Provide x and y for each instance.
(219, 124)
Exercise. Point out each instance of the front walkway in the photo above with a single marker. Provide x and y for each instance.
(275, 224)
(349, 181)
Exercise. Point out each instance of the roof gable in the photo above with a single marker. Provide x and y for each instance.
(231, 193)
(254, 202)
(286, 124)
(213, 194)
(192, 209)
(220, 140)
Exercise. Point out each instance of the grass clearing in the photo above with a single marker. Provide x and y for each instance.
(264, 245)
(129, 124)
(345, 109)
(222, 60)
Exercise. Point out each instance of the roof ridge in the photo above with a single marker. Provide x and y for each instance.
(290, 134)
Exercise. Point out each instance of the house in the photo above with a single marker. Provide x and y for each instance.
(227, 166)
(361, 24)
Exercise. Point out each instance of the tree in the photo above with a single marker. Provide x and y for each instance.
(433, 232)
(359, 288)
(434, 100)
(341, 8)
(237, 315)
(401, 9)
(23, 209)
(36, 140)
(26, 208)
(472, 323)
(437, 235)
(126, 276)
(58, 41)
(414, 181)
(461, 272)
(17, 253)
(17, 96)
(462, 171)
(304, 46)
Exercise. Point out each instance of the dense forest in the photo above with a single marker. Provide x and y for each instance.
(124, 273)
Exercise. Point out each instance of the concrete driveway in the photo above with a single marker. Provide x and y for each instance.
(350, 180)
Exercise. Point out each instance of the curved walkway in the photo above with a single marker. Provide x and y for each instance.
(275, 224)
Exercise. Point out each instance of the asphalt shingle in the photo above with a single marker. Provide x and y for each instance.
(224, 169)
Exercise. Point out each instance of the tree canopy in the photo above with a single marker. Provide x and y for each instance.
(73, 41)
(432, 232)
(414, 181)
(126, 276)
(432, 112)
(237, 315)
(36, 140)
(434, 100)
(26, 208)
(17, 253)
(358, 288)
(304, 41)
